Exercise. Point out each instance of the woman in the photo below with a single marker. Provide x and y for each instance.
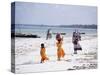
(75, 40)
(60, 50)
(49, 35)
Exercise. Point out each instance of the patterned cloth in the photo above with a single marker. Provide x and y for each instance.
(76, 38)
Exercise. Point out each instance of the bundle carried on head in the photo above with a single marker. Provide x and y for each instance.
(59, 37)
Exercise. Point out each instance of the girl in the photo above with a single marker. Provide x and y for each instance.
(43, 54)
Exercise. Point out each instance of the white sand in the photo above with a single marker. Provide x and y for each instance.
(28, 54)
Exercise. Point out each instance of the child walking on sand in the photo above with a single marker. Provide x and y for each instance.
(43, 54)
(60, 51)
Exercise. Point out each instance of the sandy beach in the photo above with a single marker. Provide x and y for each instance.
(27, 54)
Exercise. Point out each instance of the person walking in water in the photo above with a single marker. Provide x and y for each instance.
(60, 50)
(75, 40)
(49, 35)
(43, 53)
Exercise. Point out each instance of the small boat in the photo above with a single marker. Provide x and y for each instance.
(82, 33)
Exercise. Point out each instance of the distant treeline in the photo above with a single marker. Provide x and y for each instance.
(92, 26)
(80, 26)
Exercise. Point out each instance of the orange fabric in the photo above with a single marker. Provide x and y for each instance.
(60, 51)
(43, 55)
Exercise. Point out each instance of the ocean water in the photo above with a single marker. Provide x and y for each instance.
(42, 30)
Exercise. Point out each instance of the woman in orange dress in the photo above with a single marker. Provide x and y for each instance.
(43, 54)
(60, 51)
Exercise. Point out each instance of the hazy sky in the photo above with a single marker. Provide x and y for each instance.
(51, 14)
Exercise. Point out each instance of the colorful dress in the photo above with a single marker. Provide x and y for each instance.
(43, 55)
(60, 51)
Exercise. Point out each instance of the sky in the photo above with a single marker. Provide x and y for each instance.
(54, 14)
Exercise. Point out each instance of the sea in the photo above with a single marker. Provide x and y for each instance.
(41, 30)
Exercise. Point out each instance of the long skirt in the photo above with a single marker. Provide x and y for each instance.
(60, 53)
(77, 47)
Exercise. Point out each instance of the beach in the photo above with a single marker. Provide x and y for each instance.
(27, 54)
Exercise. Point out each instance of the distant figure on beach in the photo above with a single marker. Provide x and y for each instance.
(75, 40)
(43, 54)
(49, 34)
(60, 50)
